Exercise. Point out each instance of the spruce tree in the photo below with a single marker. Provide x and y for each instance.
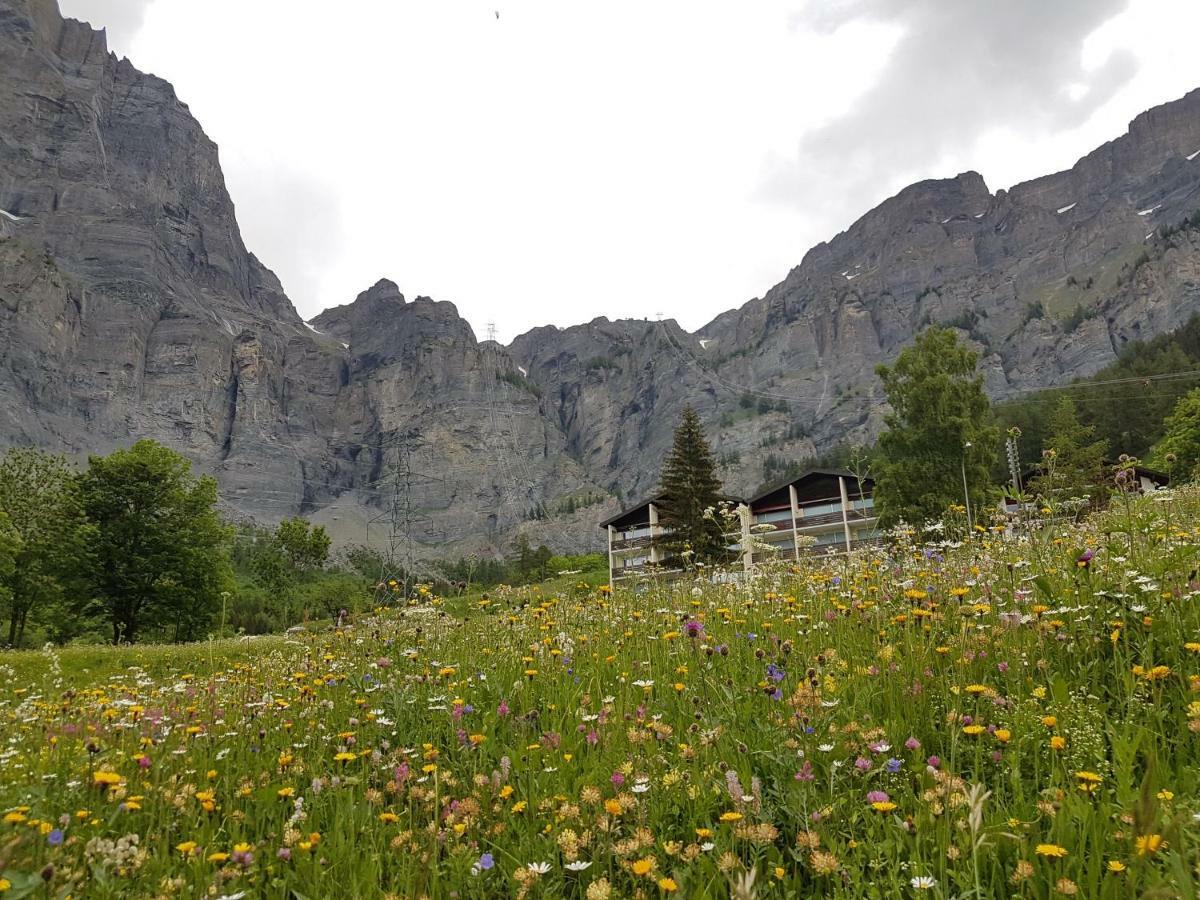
(1073, 461)
(690, 487)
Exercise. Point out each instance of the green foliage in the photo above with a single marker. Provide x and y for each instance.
(1189, 223)
(776, 467)
(749, 406)
(794, 432)
(1072, 460)
(1128, 415)
(524, 566)
(1178, 450)
(690, 487)
(939, 426)
(1078, 316)
(600, 363)
(39, 497)
(573, 503)
(10, 546)
(158, 553)
(286, 576)
(947, 734)
(518, 380)
(529, 564)
(306, 546)
(1034, 310)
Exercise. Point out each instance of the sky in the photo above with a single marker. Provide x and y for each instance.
(549, 161)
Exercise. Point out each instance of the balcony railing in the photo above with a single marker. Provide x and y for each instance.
(633, 543)
(622, 572)
(852, 515)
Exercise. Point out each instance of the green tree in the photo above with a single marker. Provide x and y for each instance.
(286, 563)
(541, 560)
(39, 497)
(1073, 462)
(524, 558)
(305, 545)
(160, 552)
(1178, 451)
(691, 493)
(938, 430)
(10, 546)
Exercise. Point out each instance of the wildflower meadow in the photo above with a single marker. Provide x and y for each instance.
(1008, 711)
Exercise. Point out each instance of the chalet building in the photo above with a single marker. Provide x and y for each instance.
(632, 536)
(821, 511)
(635, 540)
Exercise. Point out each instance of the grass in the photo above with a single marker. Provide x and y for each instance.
(959, 715)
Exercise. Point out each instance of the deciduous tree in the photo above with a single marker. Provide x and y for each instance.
(1179, 449)
(160, 550)
(40, 498)
(939, 430)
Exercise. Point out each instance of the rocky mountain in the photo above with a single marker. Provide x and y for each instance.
(130, 307)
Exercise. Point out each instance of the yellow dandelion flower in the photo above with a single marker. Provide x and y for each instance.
(643, 866)
(1149, 844)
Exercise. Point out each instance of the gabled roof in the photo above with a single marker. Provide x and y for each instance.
(629, 510)
(654, 498)
(809, 475)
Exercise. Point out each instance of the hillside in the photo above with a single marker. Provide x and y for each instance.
(130, 307)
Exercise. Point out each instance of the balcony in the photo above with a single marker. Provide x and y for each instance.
(835, 518)
(633, 543)
(647, 569)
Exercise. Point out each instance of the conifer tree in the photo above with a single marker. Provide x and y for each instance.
(1073, 462)
(690, 488)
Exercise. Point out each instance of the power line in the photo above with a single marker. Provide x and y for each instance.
(689, 359)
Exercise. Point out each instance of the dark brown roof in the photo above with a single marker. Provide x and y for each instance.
(628, 512)
(809, 475)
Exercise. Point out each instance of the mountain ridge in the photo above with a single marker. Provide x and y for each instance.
(130, 307)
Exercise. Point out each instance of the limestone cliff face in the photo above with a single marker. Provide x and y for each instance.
(1014, 270)
(130, 307)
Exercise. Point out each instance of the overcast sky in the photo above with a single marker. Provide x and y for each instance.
(571, 159)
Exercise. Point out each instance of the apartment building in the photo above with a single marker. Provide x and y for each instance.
(821, 511)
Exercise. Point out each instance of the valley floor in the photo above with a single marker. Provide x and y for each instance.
(982, 715)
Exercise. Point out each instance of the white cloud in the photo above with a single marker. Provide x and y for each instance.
(571, 160)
